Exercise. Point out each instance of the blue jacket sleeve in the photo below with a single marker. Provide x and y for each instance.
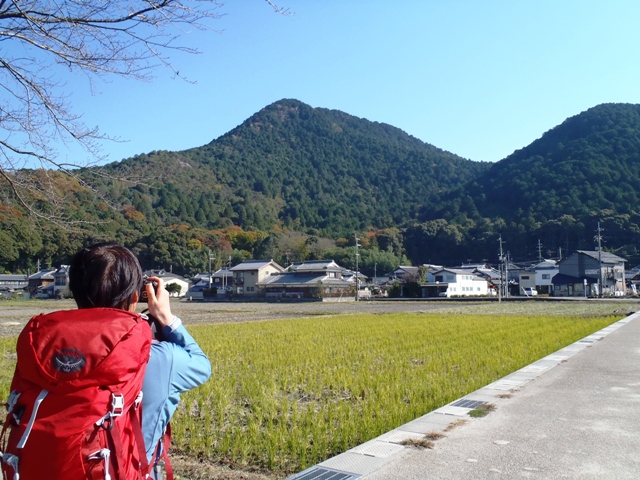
(176, 364)
(191, 367)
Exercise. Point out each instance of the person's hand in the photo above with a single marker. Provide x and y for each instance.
(158, 301)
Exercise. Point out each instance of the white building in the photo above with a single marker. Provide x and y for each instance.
(452, 282)
(171, 278)
(539, 276)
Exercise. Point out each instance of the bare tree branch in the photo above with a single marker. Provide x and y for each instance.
(280, 10)
(127, 38)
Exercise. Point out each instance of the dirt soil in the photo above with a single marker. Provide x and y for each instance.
(13, 317)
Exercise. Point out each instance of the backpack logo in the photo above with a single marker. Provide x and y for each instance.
(69, 360)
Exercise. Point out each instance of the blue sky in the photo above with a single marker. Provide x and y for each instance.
(479, 79)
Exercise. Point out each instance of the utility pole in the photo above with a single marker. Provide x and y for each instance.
(224, 274)
(506, 276)
(357, 275)
(211, 257)
(501, 257)
(539, 251)
(599, 236)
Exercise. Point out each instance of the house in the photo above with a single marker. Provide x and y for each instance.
(539, 276)
(41, 283)
(312, 279)
(350, 276)
(490, 274)
(448, 282)
(10, 283)
(633, 279)
(221, 280)
(404, 274)
(513, 272)
(170, 278)
(61, 282)
(590, 273)
(250, 273)
(407, 274)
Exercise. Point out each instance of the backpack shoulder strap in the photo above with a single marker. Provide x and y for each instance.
(136, 426)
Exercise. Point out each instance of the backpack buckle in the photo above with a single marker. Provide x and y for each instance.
(117, 404)
(12, 400)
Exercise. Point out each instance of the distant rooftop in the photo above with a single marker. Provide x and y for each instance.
(606, 257)
(254, 265)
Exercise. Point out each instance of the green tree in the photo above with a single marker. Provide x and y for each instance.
(174, 288)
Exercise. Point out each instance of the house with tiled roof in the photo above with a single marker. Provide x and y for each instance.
(41, 283)
(12, 282)
(404, 273)
(589, 273)
(248, 275)
(312, 279)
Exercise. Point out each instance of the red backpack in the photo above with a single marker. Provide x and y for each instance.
(73, 410)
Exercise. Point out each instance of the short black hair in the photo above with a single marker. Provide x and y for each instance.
(104, 275)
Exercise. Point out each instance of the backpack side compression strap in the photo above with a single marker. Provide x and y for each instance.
(162, 449)
(32, 420)
(165, 452)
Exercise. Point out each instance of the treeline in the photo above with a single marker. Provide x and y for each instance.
(186, 250)
(467, 239)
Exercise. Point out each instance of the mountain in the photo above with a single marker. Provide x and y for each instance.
(590, 162)
(294, 182)
(584, 171)
(298, 167)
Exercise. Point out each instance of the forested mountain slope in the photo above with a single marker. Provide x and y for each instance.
(557, 189)
(298, 167)
(295, 182)
(589, 162)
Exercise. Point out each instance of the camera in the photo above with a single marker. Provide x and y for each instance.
(143, 291)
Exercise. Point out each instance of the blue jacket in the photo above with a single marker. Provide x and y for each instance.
(176, 364)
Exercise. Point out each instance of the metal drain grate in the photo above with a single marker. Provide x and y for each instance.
(322, 473)
(468, 403)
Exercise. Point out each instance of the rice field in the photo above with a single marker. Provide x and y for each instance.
(287, 395)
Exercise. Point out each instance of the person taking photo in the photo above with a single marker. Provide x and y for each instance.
(93, 393)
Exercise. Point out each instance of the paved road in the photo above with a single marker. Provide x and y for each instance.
(571, 415)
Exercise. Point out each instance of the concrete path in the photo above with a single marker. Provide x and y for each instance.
(574, 414)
